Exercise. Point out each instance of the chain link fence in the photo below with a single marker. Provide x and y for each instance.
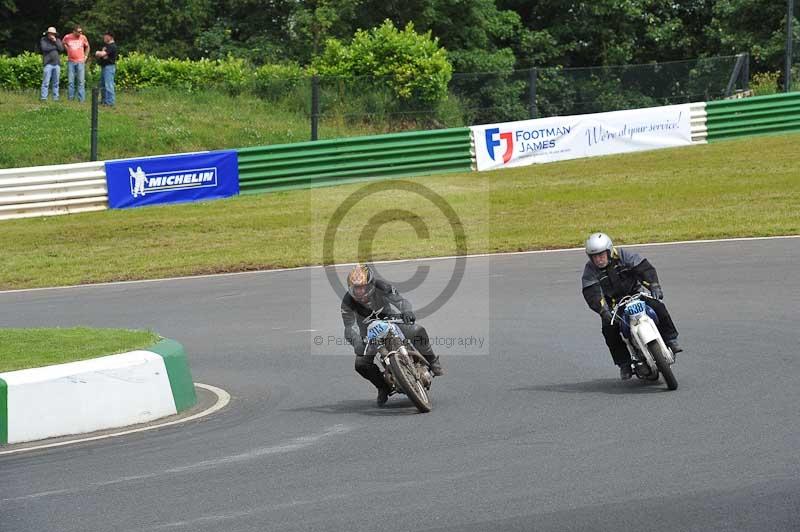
(796, 65)
(489, 97)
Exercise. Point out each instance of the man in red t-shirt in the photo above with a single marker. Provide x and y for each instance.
(77, 46)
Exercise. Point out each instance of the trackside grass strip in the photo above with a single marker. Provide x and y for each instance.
(748, 187)
(32, 348)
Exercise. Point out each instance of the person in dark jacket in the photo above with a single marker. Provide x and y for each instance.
(51, 48)
(107, 59)
(367, 294)
(611, 274)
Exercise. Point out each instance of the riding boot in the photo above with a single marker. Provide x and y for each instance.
(383, 395)
(366, 368)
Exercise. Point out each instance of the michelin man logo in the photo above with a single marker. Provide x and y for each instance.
(143, 183)
(139, 179)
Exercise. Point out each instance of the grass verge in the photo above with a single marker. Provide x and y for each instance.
(151, 122)
(748, 187)
(33, 348)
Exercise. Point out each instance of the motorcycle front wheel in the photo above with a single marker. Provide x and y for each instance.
(661, 361)
(403, 372)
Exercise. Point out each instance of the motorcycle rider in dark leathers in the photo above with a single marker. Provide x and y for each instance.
(611, 274)
(366, 293)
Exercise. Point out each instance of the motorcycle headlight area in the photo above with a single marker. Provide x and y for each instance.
(635, 308)
(380, 330)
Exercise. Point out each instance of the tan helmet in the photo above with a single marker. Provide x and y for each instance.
(361, 282)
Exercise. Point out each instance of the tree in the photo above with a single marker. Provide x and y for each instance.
(7, 9)
(754, 26)
(258, 30)
(163, 28)
(606, 32)
(317, 20)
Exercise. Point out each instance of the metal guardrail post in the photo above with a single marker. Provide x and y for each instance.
(746, 72)
(737, 70)
(787, 78)
(532, 92)
(95, 98)
(314, 107)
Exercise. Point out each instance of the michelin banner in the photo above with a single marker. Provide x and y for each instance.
(172, 179)
(571, 137)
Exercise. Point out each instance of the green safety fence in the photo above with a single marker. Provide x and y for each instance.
(332, 162)
(759, 115)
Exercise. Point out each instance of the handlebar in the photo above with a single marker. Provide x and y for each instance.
(627, 299)
(391, 318)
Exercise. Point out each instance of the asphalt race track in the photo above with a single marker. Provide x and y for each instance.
(531, 430)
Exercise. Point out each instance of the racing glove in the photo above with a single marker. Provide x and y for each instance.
(409, 317)
(656, 292)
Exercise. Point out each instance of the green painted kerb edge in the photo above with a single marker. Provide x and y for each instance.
(3, 412)
(180, 378)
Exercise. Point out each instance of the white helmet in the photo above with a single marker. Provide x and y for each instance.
(598, 243)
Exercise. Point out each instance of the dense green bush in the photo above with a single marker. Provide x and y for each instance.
(411, 65)
(275, 82)
(139, 71)
(401, 66)
(488, 86)
(765, 83)
(24, 71)
(136, 71)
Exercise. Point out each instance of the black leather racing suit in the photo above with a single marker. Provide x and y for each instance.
(624, 275)
(385, 297)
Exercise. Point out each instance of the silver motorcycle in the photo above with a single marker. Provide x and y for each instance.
(650, 356)
(403, 368)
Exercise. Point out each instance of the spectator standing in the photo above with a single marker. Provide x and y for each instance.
(107, 57)
(51, 47)
(77, 46)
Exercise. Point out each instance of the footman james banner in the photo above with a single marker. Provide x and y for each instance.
(560, 138)
(172, 179)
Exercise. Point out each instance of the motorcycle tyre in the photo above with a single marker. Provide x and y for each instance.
(663, 365)
(413, 389)
(653, 376)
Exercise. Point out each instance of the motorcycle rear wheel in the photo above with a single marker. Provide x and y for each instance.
(661, 361)
(408, 382)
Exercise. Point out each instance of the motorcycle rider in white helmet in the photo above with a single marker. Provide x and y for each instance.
(612, 273)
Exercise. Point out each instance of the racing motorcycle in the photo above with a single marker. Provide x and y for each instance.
(650, 356)
(403, 368)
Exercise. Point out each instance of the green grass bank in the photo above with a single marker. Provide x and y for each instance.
(33, 348)
(748, 187)
(152, 122)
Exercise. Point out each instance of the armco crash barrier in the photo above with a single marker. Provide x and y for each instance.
(758, 115)
(96, 394)
(50, 190)
(332, 162)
